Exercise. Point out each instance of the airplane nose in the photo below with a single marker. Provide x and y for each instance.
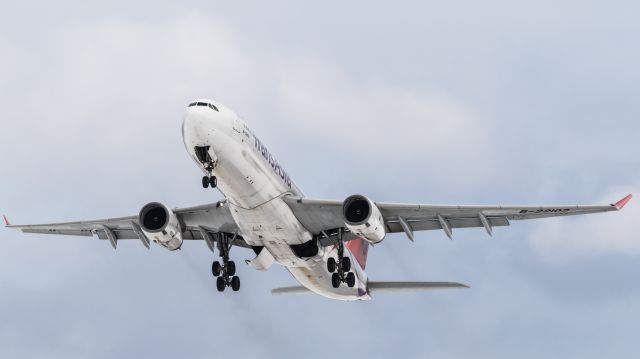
(204, 125)
(196, 126)
(199, 113)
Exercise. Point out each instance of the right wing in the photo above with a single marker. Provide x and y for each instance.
(322, 216)
(211, 218)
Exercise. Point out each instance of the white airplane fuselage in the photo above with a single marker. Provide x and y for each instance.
(254, 185)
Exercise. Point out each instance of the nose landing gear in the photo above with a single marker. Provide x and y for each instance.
(225, 271)
(341, 268)
(209, 181)
(203, 155)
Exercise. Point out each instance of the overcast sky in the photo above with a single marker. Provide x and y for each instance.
(459, 102)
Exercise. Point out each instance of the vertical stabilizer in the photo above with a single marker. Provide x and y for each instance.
(359, 248)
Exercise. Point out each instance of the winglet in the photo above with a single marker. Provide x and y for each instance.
(621, 203)
(6, 221)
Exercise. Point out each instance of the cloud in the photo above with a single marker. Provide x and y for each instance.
(91, 113)
(360, 119)
(563, 240)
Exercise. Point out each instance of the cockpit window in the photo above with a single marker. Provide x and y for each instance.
(211, 106)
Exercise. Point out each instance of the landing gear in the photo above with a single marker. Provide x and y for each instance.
(225, 271)
(345, 263)
(335, 280)
(209, 181)
(231, 268)
(235, 284)
(331, 265)
(342, 272)
(216, 269)
(220, 284)
(204, 157)
(351, 279)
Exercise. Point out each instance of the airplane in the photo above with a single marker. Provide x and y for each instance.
(322, 243)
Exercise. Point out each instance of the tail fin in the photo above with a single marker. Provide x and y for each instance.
(359, 248)
(6, 221)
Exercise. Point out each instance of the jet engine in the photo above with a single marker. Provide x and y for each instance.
(161, 225)
(363, 218)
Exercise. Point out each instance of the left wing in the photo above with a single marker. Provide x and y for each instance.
(211, 218)
(320, 216)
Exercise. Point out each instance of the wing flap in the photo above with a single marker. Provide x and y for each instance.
(394, 225)
(65, 232)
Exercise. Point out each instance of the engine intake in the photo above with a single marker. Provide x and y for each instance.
(161, 225)
(363, 218)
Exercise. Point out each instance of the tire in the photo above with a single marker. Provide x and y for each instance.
(235, 284)
(213, 181)
(346, 264)
(335, 280)
(205, 182)
(331, 264)
(216, 269)
(231, 268)
(351, 279)
(220, 284)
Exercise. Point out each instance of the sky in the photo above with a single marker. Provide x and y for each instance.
(459, 102)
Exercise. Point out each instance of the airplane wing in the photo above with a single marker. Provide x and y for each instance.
(321, 216)
(210, 218)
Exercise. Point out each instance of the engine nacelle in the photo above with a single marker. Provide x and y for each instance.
(161, 225)
(363, 218)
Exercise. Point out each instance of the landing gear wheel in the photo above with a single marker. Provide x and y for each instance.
(331, 265)
(231, 268)
(220, 284)
(351, 279)
(335, 280)
(345, 263)
(213, 181)
(216, 269)
(235, 284)
(205, 182)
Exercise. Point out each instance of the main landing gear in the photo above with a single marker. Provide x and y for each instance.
(341, 269)
(225, 272)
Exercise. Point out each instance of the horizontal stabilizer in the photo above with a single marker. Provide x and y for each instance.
(291, 290)
(382, 287)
